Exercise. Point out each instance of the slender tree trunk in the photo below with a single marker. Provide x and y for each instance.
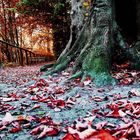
(5, 20)
(16, 32)
(6, 37)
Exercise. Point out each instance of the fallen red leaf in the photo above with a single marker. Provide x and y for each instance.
(15, 130)
(126, 81)
(20, 118)
(41, 83)
(13, 95)
(124, 66)
(77, 80)
(53, 132)
(101, 135)
(71, 137)
(46, 120)
(116, 114)
(113, 106)
(59, 103)
(98, 99)
(2, 128)
(36, 106)
(87, 81)
(36, 130)
(127, 133)
(59, 91)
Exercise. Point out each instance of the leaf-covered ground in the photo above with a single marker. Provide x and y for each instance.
(34, 107)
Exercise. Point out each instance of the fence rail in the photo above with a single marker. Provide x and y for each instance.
(18, 55)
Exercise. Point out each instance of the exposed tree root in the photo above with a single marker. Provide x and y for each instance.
(76, 75)
(58, 68)
(45, 67)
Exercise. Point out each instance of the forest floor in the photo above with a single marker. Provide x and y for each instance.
(35, 107)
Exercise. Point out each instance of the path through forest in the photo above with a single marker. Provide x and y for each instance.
(32, 107)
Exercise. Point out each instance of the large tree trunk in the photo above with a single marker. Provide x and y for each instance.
(90, 43)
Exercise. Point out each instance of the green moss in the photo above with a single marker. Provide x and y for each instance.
(96, 61)
(99, 65)
(98, 69)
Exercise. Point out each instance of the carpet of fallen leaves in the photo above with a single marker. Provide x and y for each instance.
(34, 107)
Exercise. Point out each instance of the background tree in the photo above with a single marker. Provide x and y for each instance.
(51, 13)
(8, 28)
(19, 23)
